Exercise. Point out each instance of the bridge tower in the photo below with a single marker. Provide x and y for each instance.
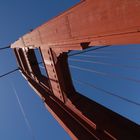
(89, 23)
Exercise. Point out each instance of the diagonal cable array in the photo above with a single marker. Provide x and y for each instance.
(105, 74)
(112, 52)
(87, 50)
(125, 55)
(105, 91)
(107, 56)
(104, 63)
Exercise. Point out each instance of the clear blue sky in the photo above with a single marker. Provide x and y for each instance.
(16, 18)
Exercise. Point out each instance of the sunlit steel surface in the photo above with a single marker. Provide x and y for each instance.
(91, 22)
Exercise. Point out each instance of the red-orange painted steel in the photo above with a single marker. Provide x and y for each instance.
(100, 22)
(91, 22)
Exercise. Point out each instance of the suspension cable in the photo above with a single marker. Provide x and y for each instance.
(104, 63)
(106, 56)
(12, 71)
(113, 52)
(3, 48)
(105, 74)
(23, 112)
(105, 91)
(94, 56)
(101, 89)
(87, 50)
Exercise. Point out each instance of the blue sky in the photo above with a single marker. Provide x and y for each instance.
(116, 71)
(17, 18)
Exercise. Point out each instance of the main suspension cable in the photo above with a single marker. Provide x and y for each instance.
(106, 91)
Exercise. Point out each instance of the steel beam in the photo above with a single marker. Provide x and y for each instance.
(91, 22)
(98, 22)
